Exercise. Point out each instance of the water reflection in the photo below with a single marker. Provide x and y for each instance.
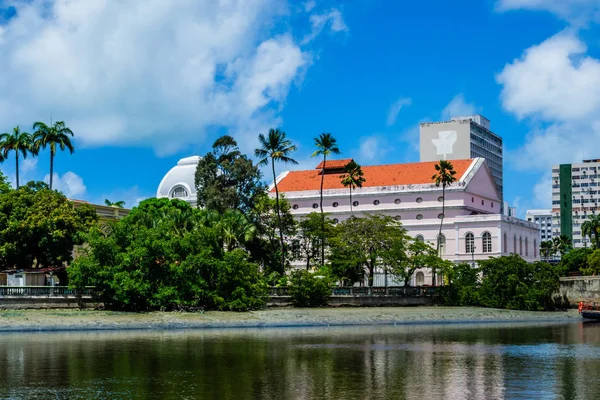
(405, 362)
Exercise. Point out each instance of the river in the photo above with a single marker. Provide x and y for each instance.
(518, 361)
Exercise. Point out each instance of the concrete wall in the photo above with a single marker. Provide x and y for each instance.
(20, 303)
(456, 135)
(580, 288)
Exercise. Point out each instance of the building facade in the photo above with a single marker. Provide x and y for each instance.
(575, 197)
(474, 227)
(178, 183)
(543, 218)
(463, 138)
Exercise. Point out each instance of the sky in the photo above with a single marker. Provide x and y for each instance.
(145, 83)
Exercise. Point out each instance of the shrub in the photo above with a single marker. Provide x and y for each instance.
(309, 290)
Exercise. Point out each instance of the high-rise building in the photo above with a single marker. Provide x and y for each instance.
(543, 218)
(574, 198)
(461, 138)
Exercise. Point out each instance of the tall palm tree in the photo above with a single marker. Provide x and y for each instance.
(19, 142)
(561, 244)
(53, 136)
(591, 228)
(236, 229)
(352, 178)
(326, 145)
(546, 249)
(444, 176)
(276, 147)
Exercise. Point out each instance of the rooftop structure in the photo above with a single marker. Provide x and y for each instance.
(178, 183)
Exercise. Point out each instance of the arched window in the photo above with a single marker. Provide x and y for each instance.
(534, 248)
(486, 240)
(526, 247)
(179, 193)
(419, 238)
(515, 244)
(469, 243)
(420, 279)
(520, 245)
(442, 244)
(505, 243)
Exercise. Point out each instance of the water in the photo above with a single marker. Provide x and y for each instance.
(405, 362)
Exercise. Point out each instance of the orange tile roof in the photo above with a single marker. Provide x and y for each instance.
(375, 175)
(334, 164)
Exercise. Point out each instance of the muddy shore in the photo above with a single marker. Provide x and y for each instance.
(76, 320)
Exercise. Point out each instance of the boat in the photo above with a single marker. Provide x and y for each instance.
(589, 311)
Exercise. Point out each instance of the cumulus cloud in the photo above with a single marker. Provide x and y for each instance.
(69, 183)
(574, 11)
(372, 148)
(28, 165)
(332, 18)
(395, 109)
(157, 73)
(309, 5)
(555, 86)
(458, 106)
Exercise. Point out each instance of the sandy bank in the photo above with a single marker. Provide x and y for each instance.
(55, 320)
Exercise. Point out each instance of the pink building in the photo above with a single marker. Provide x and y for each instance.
(474, 228)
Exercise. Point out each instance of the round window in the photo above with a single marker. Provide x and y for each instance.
(355, 203)
(419, 199)
(295, 206)
(335, 204)
(376, 202)
(397, 201)
(441, 198)
(419, 216)
(315, 205)
(335, 220)
(397, 218)
(440, 215)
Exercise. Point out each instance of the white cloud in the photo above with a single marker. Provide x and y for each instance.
(28, 165)
(332, 17)
(372, 148)
(556, 86)
(395, 109)
(309, 5)
(542, 192)
(70, 184)
(458, 106)
(157, 73)
(553, 80)
(574, 11)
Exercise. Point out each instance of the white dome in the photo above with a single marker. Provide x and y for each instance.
(178, 183)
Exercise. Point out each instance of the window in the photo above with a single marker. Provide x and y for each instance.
(419, 238)
(482, 202)
(179, 193)
(335, 220)
(375, 202)
(520, 245)
(397, 201)
(440, 215)
(355, 203)
(335, 204)
(515, 244)
(469, 243)
(441, 198)
(534, 248)
(442, 244)
(419, 199)
(526, 247)
(492, 205)
(472, 199)
(486, 240)
(315, 205)
(397, 218)
(419, 279)
(295, 206)
(505, 244)
(419, 216)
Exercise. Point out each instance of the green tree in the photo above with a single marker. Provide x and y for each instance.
(308, 239)
(463, 286)
(591, 228)
(546, 249)
(362, 242)
(227, 179)
(55, 136)
(593, 264)
(19, 142)
(444, 176)
(40, 227)
(118, 204)
(326, 145)
(309, 290)
(576, 260)
(405, 256)
(276, 147)
(352, 178)
(561, 244)
(4, 185)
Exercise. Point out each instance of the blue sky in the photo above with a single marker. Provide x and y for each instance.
(143, 84)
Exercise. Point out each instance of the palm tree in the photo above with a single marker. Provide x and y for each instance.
(352, 178)
(591, 228)
(19, 142)
(236, 229)
(561, 244)
(54, 136)
(118, 204)
(546, 249)
(444, 176)
(276, 147)
(326, 145)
